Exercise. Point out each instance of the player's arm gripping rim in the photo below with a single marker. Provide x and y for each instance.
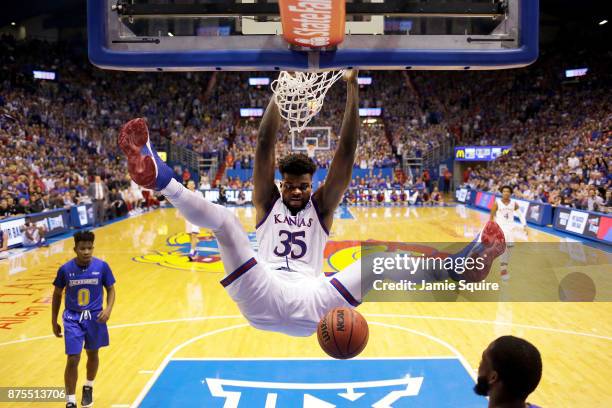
(104, 315)
(265, 192)
(330, 194)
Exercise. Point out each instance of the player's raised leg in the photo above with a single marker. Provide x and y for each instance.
(247, 282)
(306, 303)
(488, 245)
(148, 170)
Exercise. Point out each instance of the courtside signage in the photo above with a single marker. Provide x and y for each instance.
(480, 153)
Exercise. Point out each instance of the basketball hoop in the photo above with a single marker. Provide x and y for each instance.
(299, 95)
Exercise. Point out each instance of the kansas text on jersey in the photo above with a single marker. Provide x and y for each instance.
(292, 243)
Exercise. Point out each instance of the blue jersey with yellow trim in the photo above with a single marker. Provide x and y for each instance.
(84, 285)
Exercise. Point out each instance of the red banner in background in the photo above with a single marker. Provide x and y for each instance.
(313, 23)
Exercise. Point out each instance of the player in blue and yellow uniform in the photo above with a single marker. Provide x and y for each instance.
(84, 278)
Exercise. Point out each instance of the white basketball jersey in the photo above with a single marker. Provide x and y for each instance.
(292, 243)
(505, 212)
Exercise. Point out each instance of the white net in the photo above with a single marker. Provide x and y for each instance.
(299, 95)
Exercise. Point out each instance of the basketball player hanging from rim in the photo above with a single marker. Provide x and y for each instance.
(290, 298)
(293, 224)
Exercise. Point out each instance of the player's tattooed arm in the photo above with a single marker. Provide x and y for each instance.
(264, 189)
(340, 171)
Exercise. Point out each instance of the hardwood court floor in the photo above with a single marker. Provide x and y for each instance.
(169, 308)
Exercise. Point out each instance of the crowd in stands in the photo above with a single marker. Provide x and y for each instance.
(569, 172)
(559, 131)
(374, 189)
(374, 150)
(56, 136)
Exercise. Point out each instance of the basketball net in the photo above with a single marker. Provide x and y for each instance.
(299, 95)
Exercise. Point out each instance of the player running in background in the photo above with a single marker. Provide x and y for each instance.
(84, 279)
(503, 212)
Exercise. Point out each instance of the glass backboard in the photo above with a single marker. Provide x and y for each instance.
(190, 35)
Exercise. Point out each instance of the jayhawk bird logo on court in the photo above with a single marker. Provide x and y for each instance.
(174, 256)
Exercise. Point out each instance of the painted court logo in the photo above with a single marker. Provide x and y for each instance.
(339, 254)
(208, 258)
(314, 383)
(397, 389)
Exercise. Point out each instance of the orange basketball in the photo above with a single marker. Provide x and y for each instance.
(343, 333)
